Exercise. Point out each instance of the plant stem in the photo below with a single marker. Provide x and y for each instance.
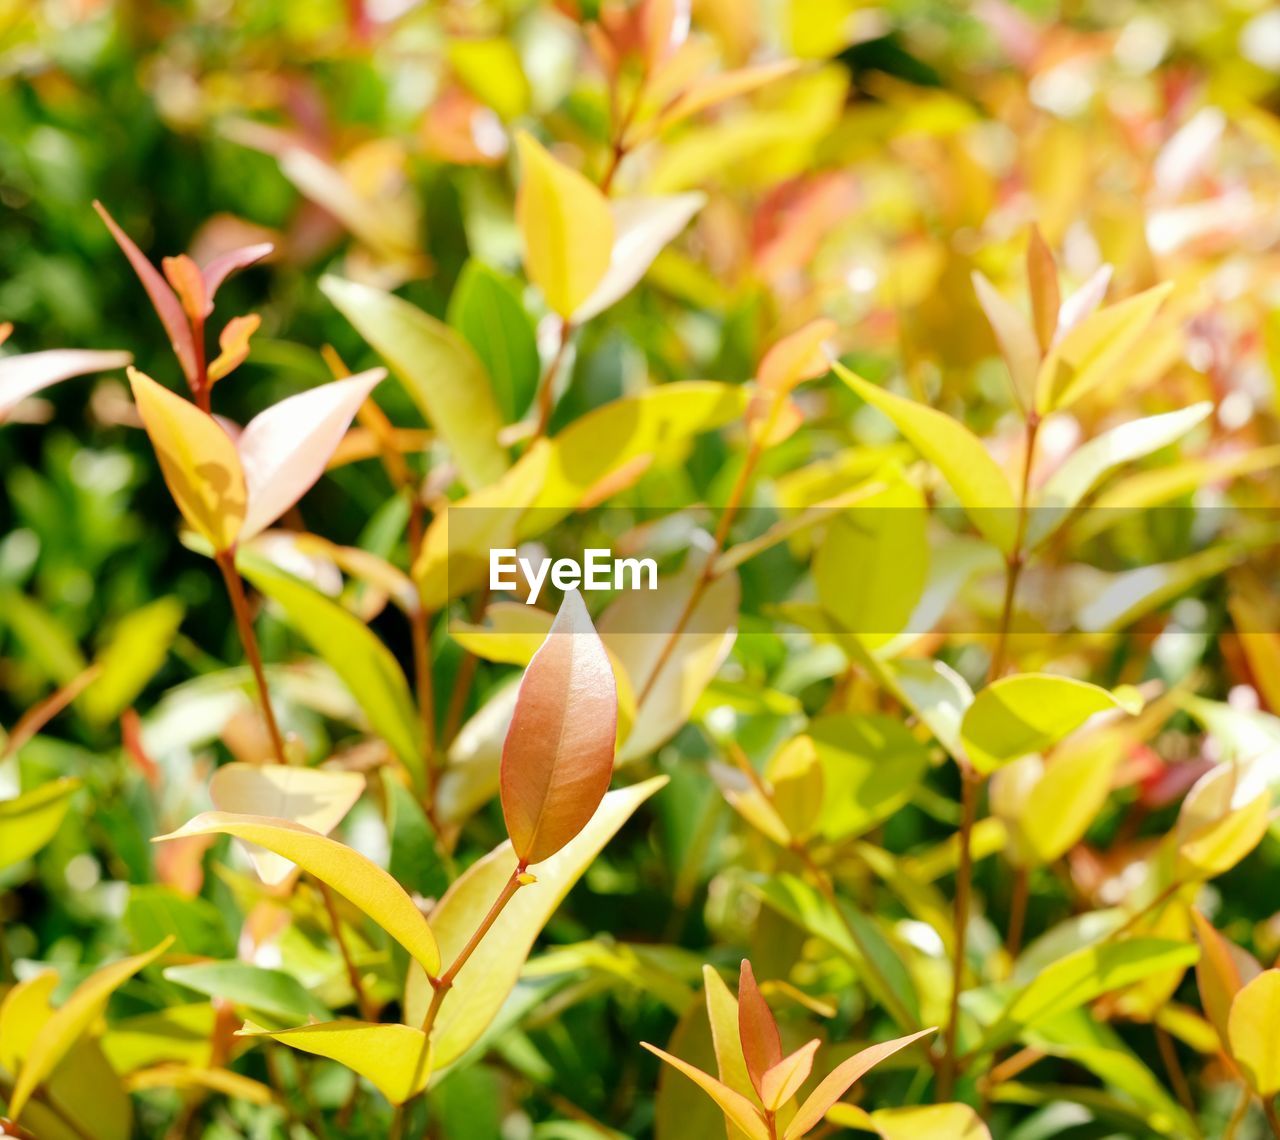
(1018, 910)
(546, 385)
(970, 781)
(420, 630)
(1238, 1114)
(353, 974)
(1269, 1108)
(226, 561)
(1177, 1078)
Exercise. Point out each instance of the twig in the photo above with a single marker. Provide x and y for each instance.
(353, 974)
(1177, 1077)
(964, 886)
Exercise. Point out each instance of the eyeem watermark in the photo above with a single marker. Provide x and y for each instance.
(598, 570)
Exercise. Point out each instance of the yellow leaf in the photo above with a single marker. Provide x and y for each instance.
(24, 1010)
(316, 798)
(198, 459)
(179, 1076)
(558, 757)
(490, 69)
(567, 228)
(28, 822)
(1255, 1013)
(1223, 817)
(740, 1111)
(783, 1081)
(929, 1122)
(359, 880)
(233, 345)
(511, 635)
(1222, 972)
(489, 976)
(389, 1056)
(71, 1021)
(715, 89)
(722, 1013)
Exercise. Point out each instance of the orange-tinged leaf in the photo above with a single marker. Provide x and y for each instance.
(722, 1014)
(225, 264)
(567, 227)
(761, 1045)
(198, 459)
(798, 357)
(783, 1081)
(1046, 300)
(840, 1080)
(233, 342)
(734, 1105)
(188, 283)
(284, 450)
(1255, 1013)
(167, 306)
(356, 878)
(71, 1021)
(558, 755)
(32, 372)
(1222, 972)
(719, 88)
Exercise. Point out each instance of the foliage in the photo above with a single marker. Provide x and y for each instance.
(928, 351)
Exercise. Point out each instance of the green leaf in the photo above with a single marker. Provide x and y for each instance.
(956, 452)
(439, 370)
(28, 822)
(490, 974)
(1084, 975)
(195, 924)
(486, 309)
(415, 862)
(268, 991)
(354, 652)
(1018, 715)
(137, 649)
(47, 644)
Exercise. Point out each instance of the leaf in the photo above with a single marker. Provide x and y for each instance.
(176, 1033)
(284, 449)
(71, 1021)
(1084, 975)
(199, 462)
(1223, 817)
(642, 227)
(25, 375)
(268, 991)
(783, 1081)
(234, 260)
(29, 821)
(511, 634)
(795, 774)
(567, 227)
(386, 1055)
(357, 879)
(1089, 464)
(1015, 336)
(1255, 1013)
(840, 1080)
(558, 757)
(1042, 277)
(439, 370)
(957, 453)
(713, 89)
(167, 306)
(178, 1076)
(183, 274)
(1223, 971)
(137, 649)
(316, 798)
(490, 974)
(196, 925)
(722, 1014)
(1018, 715)
(930, 1122)
(490, 68)
(233, 346)
(1087, 355)
(735, 1106)
(354, 652)
(757, 1029)
(485, 307)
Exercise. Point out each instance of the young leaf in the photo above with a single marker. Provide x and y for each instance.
(167, 306)
(29, 821)
(784, 1079)
(316, 798)
(1223, 971)
(642, 227)
(1018, 715)
(761, 1045)
(1251, 1030)
(234, 260)
(1223, 818)
(284, 449)
(26, 374)
(439, 370)
(386, 1055)
(796, 358)
(233, 343)
(567, 227)
(137, 649)
(713, 89)
(978, 482)
(1046, 300)
(489, 976)
(71, 1021)
(722, 1014)
(357, 879)
(198, 459)
(740, 1111)
(1014, 335)
(558, 757)
(840, 1080)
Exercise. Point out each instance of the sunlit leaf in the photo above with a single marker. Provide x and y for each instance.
(30, 820)
(735, 1106)
(25, 375)
(385, 1055)
(714, 89)
(1015, 336)
(757, 1029)
(255, 987)
(200, 463)
(137, 649)
(486, 308)
(1223, 971)
(361, 882)
(567, 227)
(558, 756)
(784, 1079)
(1251, 1029)
(233, 346)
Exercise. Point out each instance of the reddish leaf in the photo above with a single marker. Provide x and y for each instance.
(1046, 301)
(761, 1045)
(558, 756)
(225, 264)
(184, 275)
